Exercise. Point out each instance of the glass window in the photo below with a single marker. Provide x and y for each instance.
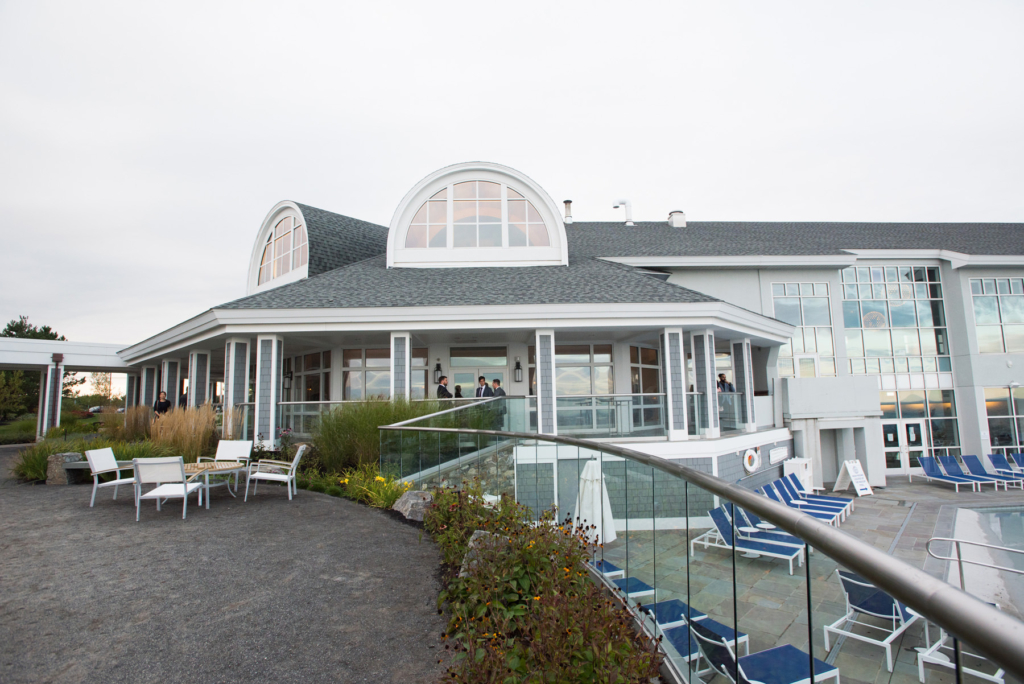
(998, 314)
(940, 404)
(645, 376)
(480, 217)
(583, 369)
(418, 357)
(912, 404)
(887, 400)
(478, 356)
(877, 343)
(286, 250)
(806, 305)
(378, 358)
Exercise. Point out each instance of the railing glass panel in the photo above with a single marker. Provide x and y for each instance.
(731, 411)
(696, 413)
(612, 415)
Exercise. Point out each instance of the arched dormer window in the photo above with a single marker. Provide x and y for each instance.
(286, 249)
(476, 214)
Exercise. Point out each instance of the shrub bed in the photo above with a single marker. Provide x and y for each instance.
(527, 611)
(364, 484)
(31, 466)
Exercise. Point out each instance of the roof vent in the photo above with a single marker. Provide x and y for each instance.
(629, 210)
(677, 219)
(568, 211)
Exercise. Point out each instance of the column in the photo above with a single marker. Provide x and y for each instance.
(198, 378)
(41, 410)
(702, 342)
(743, 374)
(674, 371)
(269, 357)
(130, 389)
(547, 415)
(170, 380)
(53, 390)
(236, 387)
(147, 386)
(401, 345)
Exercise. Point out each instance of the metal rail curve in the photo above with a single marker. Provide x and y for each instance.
(992, 632)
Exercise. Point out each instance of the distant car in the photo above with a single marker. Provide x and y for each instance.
(121, 410)
(96, 409)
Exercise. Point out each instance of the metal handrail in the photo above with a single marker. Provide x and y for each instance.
(484, 400)
(362, 401)
(960, 560)
(605, 396)
(992, 632)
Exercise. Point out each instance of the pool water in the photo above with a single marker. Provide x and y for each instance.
(1002, 526)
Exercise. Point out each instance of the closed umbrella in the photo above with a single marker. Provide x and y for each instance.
(593, 504)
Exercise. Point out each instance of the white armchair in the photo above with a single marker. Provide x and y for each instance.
(168, 474)
(102, 461)
(230, 450)
(275, 471)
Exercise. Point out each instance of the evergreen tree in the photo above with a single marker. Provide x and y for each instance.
(21, 328)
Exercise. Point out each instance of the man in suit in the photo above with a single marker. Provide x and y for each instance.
(724, 385)
(498, 392)
(483, 389)
(442, 388)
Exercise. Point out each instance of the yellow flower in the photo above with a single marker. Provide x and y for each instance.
(379, 478)
(536, 598)
(345, 481)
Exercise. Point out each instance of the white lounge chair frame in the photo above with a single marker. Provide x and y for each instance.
(269, 470)
(168, 474)
(102, 461)
(229, 450)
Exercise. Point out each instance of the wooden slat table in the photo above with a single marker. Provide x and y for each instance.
(204, 468)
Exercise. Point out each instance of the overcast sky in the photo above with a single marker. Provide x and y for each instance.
(142, 144)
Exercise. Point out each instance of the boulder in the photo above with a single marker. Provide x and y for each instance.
(479, 540)
(55, 472)
(413, 505)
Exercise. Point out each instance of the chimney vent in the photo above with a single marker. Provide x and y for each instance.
(624, 203)
(677, 219)
(568, 211)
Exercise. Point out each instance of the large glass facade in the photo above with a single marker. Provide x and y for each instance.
(366, 374)
(998, 314)
(1005, 410)
(810, 352)
(894, 320)
(937, 409)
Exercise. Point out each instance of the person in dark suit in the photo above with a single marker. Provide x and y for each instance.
(724, 385)
(498, 392)
(483, 389)
(442, 388)
(458, 392)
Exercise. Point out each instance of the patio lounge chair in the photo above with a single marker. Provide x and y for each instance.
(777, 537)
(789, 493)
(102, 461)
(1003, 466)
(632, 587)
(953, 469)
(802, 492)
(832, 518)
(975, 467)
(865, 599)
(670, 614)
(168, 474)
(721, 537)
(607, 569)
(779, 665)
(932, 472)
(230, 450)
(275, 471)
(1018, 459)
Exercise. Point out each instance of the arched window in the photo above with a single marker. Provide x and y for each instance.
(480, 214)
(286, 249)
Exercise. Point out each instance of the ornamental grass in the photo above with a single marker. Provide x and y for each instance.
(190, 432)
(526, 609)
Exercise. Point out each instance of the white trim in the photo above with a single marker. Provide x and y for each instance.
(956, 259)
(709, 448)
(400, 256)
(726, 261)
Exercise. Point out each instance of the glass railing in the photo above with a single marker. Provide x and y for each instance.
(612, 415)
(732, 412)
(696, 414)
(301, 416)
(705, 564)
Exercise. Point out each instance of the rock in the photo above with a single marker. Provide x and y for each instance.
(55, 472)
(413, 505)
(479, 540)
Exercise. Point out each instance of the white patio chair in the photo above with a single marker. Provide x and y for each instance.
(230, 450)
(168, 474)
(266, 469)
(103, 461)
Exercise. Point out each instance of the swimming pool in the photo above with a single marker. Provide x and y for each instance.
(998, 526)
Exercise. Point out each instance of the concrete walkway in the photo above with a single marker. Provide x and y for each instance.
(313, 590)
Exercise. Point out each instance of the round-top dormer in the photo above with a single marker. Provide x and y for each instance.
(281, 252)
(476, 214)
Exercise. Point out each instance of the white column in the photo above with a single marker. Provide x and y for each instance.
(401, 350)
(54, 390)
(702, 342)
(743, 374)
(147, 385)
(236, 384)
(198, 378)
(41, 410)
(170, 380)
(674, 360)
(547, 414)
(269, 356)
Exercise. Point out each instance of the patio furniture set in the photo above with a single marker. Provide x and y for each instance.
(172, 478)
(951, 473)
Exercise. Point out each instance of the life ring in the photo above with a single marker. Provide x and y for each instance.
(751, 461)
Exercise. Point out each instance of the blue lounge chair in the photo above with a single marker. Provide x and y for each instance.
(975, 467)
(632, 587)
(932, 472)
(757, 522)
(779, 665)
(746, 530)
(864, 598)
(1018, 459)
(721, 537)
(953, 469)
(1003, 466)
(831, 517)
(842, 507)
(607, 569)
(801, 491)
(672, 613)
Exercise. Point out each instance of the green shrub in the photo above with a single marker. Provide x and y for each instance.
(367, 485)
(32, 463)
(317, 487)
(26, 426)
(17, 438)
(527, 611)
(334, 490)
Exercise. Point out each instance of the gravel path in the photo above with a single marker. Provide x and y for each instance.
(313, 590)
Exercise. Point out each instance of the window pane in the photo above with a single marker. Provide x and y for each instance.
(634, 379)
(944, 433)
(876, 275)
(878, 291)
(827, 367)
(1014, 337)
(851, 314)
(778, 289)
(326, 394)
(538, 235)
(603, 380)
(857, 366)
(824, 336)
(352, 385)
(648, 357)
(816, 311)
(572, 353)
(421, 215)
(378, 384)
(891, 275)
(465, 236)
(905, 343)
(489, 211)
(1012, 309)
(976, 287)
(911, 404)
(352, 358)
(902, 314)
(887, 400)
(786, 368)
(465, 190)
(1018, 401)
(940, 404)
(1017, 286)
(864, 291)
(887, 365)
(863, 274)
(488, 189)
(438, 236)
(1000, 432)
(478, 356)
(850, 291)
(1003, 286)
(986, 310)
(311, 362)
(418, 384)
(854, 344)
(872, 366)
(877, 343)
(490, 235)
(378, 358)
(997, 401)
(516, 235)
(874, 314)
(312, 387)
(929, 343)
(990, 339)
(809, 344)
(849, 275)
(787, 310)
(602, 353)
(570, 380)
(512, 194)
(806, 368)
(650, 379)
(438, 212)
(634, 354)
(418, 356)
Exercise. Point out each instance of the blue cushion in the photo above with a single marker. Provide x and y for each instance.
(678, 636)
(782, 665)
(673, 610)
(605, 567)
(631, 585)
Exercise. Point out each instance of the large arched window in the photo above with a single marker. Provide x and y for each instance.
(286, 249)
(478, 214)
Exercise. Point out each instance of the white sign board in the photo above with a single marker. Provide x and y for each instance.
(853, 473)
(778, 454)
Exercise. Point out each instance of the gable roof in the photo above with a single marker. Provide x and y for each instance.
(336, 240)
(755, 238)
(370, 283)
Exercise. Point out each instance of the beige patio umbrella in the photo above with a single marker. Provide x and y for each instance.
(593, 504)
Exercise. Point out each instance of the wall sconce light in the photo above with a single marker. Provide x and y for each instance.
(437, 371)
(288, 380)
(518, 371)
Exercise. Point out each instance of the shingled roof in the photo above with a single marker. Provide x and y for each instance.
(370, 283)
(336, 240)
(753, 238)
